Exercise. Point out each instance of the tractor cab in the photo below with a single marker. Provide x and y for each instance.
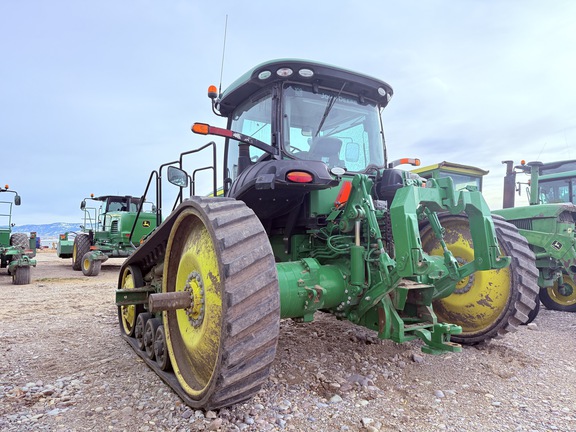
(296, 128)
(305, 111)
(557, 182)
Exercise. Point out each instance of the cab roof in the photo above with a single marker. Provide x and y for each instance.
(303, 71)
(452, 167)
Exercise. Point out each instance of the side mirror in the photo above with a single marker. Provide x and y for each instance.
(352, 152)
(177, 177)
(17, 200)
(83, 205)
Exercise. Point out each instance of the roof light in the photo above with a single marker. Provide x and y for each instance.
(300, 177)
(6, 187)
(284, 72)
(264, 75)
(382, 91)
(306, 73)
(212, 92)
(522, 162)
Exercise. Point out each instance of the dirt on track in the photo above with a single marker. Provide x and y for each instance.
(64, 366)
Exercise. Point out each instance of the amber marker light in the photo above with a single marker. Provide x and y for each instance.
(522, 162)
(200, 128)
(212, 92)
(299, 177)
(6, 187)
(410, 161)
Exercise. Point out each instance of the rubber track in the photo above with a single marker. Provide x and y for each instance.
(524, 282)
(250, 297)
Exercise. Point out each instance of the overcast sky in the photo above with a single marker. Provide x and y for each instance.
(96, 94)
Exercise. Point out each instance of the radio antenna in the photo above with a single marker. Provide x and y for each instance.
(223, 51)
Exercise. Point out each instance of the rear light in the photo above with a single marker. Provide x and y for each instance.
(93, 247)
(62, 236)
(300, 177)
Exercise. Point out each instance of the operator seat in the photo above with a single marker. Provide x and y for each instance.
(327, 150)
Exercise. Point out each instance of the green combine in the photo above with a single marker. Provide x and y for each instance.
(16, 249)
(309, 220)
(113, 226)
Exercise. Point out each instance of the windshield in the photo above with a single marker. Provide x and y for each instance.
(557, 191)
(254, 119)
(333, 127)
(461, 181)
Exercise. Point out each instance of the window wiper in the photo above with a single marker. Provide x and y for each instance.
(329, 106)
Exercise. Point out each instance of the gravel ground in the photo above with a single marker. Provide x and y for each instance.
(64, 367)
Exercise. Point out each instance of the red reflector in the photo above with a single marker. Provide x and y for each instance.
(344, 194)
(299, 177)
(93, 247)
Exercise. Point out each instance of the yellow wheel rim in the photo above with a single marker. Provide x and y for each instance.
(74, 252)
(193, 335)
(480, 299)
(564, 294)
(128, 313)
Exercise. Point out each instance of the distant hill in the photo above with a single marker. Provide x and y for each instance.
(47, 231)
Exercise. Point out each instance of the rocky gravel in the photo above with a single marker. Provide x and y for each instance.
(64, 367)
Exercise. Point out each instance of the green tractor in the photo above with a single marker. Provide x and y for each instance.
(547, 223)
(16, 249)
(309, 219)
(113, 227)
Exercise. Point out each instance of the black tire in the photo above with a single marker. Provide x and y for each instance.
(21, 276)
(80, 248)
(222, 348)
(90, 267)
(560, 296)
(489, 303)
(20, 240)
(534, 312)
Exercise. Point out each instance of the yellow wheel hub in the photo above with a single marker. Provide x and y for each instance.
(193, 335)
(128, 313)
(564, 294)
(479, 299)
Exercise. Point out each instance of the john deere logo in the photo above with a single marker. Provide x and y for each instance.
(146, 224)
(557, 245)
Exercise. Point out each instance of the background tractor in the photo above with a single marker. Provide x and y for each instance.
(309, 219)
(16, 249)
(112, 227)
(548, 222)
